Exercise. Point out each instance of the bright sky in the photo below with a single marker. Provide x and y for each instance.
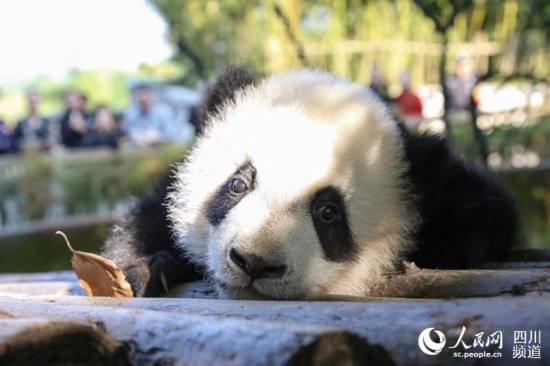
(51, 37)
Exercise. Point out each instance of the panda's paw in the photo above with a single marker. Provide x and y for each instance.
(138, 274)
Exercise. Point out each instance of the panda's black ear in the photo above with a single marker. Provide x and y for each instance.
(224, 90)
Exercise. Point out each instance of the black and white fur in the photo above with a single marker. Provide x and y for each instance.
(303, 185)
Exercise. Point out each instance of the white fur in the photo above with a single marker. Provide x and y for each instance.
(302, 131)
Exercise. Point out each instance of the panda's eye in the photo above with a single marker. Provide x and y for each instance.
(327, 214)
(238, 186)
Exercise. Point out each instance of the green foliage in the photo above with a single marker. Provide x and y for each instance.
(44, 251)
(531, 192)
(442, 12)
(169, 70)
(529, 188)
(82, 184)
(271, 36)
(100, 86)
(85, 184)
(211, 34)
(504, 140)
(534, 137)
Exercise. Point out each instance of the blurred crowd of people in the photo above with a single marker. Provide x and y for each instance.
(407, 106)
(145, 122)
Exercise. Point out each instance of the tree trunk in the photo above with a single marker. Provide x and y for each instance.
(45, 342)
(478, 134)
(442, 82)
(203, 330)
(429, 283)
(206, 331)
(168, 337)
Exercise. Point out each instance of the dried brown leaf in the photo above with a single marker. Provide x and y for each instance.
(98, 276)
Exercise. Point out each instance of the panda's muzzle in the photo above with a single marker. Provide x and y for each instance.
(257, 267)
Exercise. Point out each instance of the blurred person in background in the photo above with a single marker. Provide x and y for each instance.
(7, 139)
(32, 132)
(147, 122)
(103, 130)
(75, 122)
(460, 86)
(409, 105)
(378, 83)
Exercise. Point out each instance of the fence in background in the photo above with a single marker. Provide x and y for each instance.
(80, 187)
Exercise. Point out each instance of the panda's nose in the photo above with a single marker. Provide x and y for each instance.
(255, 266)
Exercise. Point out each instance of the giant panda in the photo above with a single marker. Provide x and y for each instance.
(303, 185)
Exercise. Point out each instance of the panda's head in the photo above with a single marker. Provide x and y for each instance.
(296, 188)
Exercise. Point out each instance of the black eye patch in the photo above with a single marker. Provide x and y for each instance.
(230, 193)
(330, 219)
